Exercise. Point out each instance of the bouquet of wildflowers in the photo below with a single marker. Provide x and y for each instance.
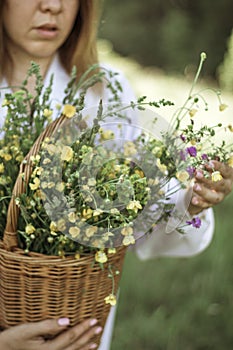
(92, 188)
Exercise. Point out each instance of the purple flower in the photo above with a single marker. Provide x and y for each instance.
(195, 222)
(192, 151)
(183, 138)
(182, 155)
(191, 171)
(204, 156)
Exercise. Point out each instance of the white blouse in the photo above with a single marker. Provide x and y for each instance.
(165, 241)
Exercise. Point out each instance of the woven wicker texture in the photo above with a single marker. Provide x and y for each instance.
(35, 287)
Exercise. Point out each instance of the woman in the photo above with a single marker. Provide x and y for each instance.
(58, 34)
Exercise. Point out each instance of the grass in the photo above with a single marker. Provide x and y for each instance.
(177, 303)
(180, 303)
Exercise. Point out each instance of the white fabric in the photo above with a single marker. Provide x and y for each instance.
(159, 243)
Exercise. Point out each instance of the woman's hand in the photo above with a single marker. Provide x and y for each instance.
(207, 193)
(35, 336)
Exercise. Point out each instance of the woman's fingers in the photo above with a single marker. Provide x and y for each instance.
(225, 170)
(205, 196)
(77, 337)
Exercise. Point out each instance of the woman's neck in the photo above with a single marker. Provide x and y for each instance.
(17, 73)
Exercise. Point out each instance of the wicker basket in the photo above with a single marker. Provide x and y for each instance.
(35, 287)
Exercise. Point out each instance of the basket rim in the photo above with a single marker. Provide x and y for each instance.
(19, 255)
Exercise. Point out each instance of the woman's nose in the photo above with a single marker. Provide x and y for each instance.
(53, 6)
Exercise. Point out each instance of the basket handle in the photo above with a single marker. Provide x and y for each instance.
(10, 240)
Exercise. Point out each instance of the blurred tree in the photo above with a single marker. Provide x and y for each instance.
(169, 33)
(225, 70)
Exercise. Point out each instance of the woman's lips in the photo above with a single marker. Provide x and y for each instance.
(47, 31)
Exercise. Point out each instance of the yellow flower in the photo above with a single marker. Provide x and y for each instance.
(52, 149)
(182, 176)
(127, 231)
(90, 231)
(67, 153)
(46, 161)
(7, 157)
(48, 112)
(29, 229)
(60, 186)
(192, 112)
(2, 168)
(74, 231)
(72, 217)
(162, 167)
(106, 134)
(110, 299)
(134, 205)
(61, 225)
(222, 107)
(128, 240)
(97, 212)
(87, 213)
(111, 250)
(230, 161)
(216, 176)
(114, 211)
(91, 182)
(36, 183)
(35, 159)
(101, 257)
(5, 102)
(230, 127)
(77, 256)
(58, 106)
(129, 149)
(38, 170)
(53, 226)
(69, 111)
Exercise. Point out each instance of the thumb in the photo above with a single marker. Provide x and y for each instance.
(47, 327)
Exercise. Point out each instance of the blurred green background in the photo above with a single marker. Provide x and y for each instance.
(170, 34)
(168, 303)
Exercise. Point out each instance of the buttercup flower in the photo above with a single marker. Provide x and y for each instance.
(128, 240)
(74, 231)
(48, 112)
(230, 161)
(90, 231)
(101, 257)
(134, 205)
(182, 176)
(106, 134)
(35, 184)
(69, 111)
(111, 299)
(222, 107)
(72, 217)
(127, 231)
(192, 112)
(29, 229)
(216, 176)
(230, 127)
(67, 153)
(2, 168)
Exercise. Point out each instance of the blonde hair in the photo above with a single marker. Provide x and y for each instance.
(80, 48)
